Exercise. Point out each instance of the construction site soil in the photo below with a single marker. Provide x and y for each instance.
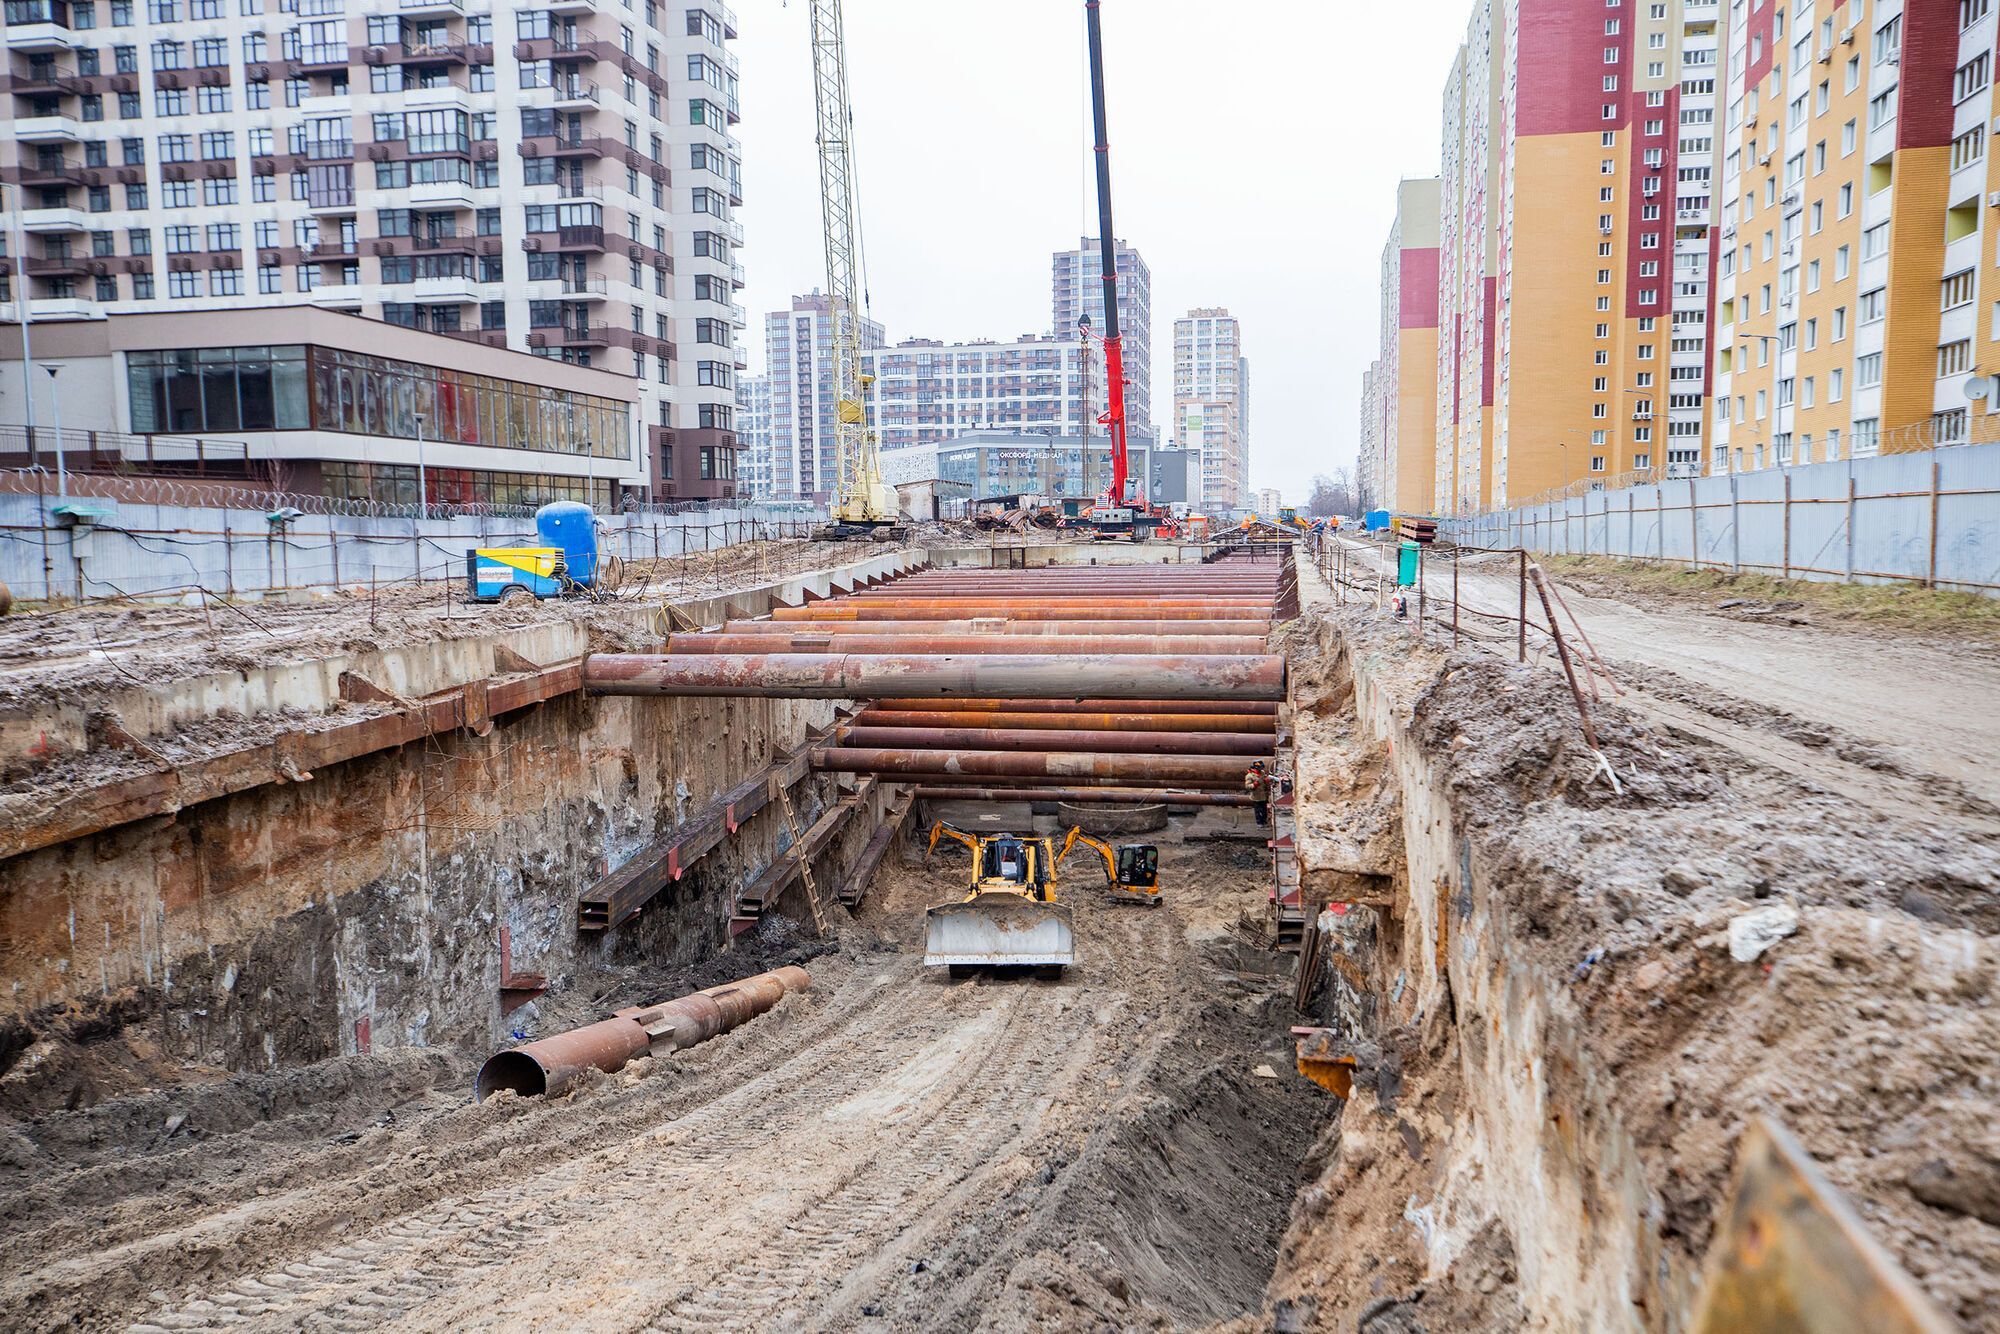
(888, 1149)
(1871, 1031)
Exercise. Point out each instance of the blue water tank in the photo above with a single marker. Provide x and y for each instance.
(571, 526)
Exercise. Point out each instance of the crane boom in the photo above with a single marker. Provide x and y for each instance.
(1114, 352)
(859, 495)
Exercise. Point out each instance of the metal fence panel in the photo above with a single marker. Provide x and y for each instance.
(1931, 517)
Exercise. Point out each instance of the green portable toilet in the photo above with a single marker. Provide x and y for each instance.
(1406, 565)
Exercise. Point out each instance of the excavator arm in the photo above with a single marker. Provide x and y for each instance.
(943, 830)
(1103, 849)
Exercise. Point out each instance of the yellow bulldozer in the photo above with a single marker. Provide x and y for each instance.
(1010, 916)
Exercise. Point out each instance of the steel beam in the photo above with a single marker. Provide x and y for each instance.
(1021, 676)
(1084, 706)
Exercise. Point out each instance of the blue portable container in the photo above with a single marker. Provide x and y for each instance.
(570, 526)
(1375, 521)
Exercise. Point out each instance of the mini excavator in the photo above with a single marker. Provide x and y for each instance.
(1010, 917)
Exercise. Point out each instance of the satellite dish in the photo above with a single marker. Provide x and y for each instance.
(1978, 387)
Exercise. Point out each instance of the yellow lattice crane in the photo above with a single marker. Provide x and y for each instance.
(863, 505)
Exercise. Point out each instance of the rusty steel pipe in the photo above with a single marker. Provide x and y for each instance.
(1124, 796)
(552, 1064)
(812, 642)
(1070, 601)
(1231, 784)
(1083, 706)
(1019, 676)
(1248, 744)
(880, 716)
(1000, 625)
(1031, 764)
(1058, 611)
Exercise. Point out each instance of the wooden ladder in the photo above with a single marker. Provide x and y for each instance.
(805, 858)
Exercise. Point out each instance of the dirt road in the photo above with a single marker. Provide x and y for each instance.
(1878, 718)
(890, 1149)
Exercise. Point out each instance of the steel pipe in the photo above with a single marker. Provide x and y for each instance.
(1000, 625)
(881, 716)
(1030, 764)
(1020, 676)
(551, 1065)
(1083, 706)
(801, 641)
(1042, 610)
(1120, 795)
(1248, 744)
(1071, 602)
(1233, 783)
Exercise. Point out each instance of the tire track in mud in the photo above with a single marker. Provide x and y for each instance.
(418, 1259)
(887, 1193)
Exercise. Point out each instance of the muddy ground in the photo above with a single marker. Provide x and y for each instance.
(890, 1149)
(1872, 1032)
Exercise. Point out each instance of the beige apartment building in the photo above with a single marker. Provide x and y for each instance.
(1212, 404)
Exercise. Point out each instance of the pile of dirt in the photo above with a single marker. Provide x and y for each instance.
(1868, 1028)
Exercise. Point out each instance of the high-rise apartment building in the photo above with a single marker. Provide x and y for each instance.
(1573, 225)
(559, 180)
(1371, 461)
(1468, 269)
(925, 391)
(1853, 267)
(753, 434)
(1404, 387)
(1211, 403)
(798, 358)
(1077, 289)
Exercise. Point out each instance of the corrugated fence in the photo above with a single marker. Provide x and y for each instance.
(143, 550)
(1930, 518)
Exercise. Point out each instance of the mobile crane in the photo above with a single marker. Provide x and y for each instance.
(1117, 513)
(863, 505)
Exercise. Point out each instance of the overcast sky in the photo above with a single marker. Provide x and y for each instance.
(1255, 150)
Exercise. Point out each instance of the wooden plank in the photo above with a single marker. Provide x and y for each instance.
(876, 848)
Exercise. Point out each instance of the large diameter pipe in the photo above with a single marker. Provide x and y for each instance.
(1232, 783)
(1041, 610)
(814, 642)
(1000, 625)
(1084, 706)
(1250, 745)
(553, 1064)
(1031, 764)
(1123, 796)
(1020, 676)
(880, 716)
(1071, 602)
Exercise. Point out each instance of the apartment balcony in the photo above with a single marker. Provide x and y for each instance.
(443, 95)
(47, 29)
(586, 288)
(573, 7)
(575, 94)
(583, 49)
(55, 220)
(323, 252)
(563, 146)
(439, 8)
(443, 194)
(49, 130)
(433, 290)
(577, 238)
(46, 84)
(322, 59)
(422, 53)
(571, 335)
(337, 298)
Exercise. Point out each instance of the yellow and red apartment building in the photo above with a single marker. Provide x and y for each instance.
(1399, 412)
(1704, 236)
(1856, 172)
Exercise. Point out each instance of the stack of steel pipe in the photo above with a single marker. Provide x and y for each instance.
(1098, 682)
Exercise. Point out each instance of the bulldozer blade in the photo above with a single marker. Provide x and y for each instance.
(1000, 931)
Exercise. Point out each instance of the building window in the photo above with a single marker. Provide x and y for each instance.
(1868, 371)
(1954, 358)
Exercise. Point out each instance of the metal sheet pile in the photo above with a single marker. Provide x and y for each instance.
(1075, 683)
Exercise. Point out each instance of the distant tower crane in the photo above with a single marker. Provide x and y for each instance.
(863, 506)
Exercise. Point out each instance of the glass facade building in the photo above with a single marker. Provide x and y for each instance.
(195, 391)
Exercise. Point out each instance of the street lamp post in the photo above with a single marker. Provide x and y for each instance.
(55, 398)
(423, 492)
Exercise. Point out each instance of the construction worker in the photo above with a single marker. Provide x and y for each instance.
(1257, 783)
